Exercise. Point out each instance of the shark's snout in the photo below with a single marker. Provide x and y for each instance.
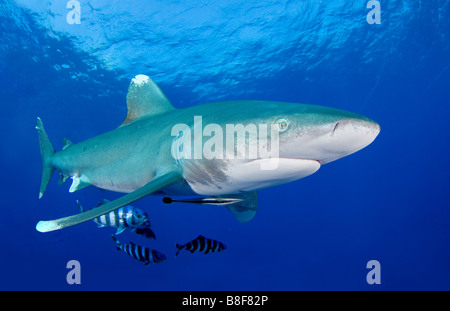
(360, 128)
(349, 135)
(326, 137)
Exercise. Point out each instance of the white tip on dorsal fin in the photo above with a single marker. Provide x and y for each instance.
(145, 98)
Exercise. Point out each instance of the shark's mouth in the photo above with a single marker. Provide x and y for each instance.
(279, 169)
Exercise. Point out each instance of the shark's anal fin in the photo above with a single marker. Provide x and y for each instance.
(145, 98)
(245, 209)
(155, 184)
(62, 178)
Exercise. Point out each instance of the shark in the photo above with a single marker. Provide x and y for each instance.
(153, 152)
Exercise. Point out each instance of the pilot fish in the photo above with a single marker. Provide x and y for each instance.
(140, 253)
(202, 244)
(125, 217)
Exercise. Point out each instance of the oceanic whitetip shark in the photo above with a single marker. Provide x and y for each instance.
(145, 156)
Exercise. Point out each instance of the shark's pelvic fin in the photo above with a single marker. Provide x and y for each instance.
(47, 152)
(80, 206)
(79, 183)
(155, 184)
(145, 98)
(245, 209)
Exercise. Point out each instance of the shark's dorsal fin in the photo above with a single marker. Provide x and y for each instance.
(66, 143)
(144, 99)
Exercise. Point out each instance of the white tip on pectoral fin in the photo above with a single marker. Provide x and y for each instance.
(46, 226)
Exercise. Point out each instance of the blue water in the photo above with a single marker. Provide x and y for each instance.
(389, 202)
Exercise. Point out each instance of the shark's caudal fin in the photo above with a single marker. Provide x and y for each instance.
(46, 153)
(144, 99)
(245, 209)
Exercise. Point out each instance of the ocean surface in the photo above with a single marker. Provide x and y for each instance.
(389, 202)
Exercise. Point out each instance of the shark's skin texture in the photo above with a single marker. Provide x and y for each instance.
(138, 155)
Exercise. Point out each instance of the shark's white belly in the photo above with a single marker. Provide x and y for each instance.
(219, 177)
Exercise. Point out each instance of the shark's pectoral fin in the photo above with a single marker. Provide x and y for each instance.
(155, 184)
(145, 98)
(245, 209)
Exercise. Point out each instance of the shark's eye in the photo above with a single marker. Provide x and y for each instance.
(282, 124)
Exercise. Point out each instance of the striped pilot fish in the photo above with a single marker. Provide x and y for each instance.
(203, 245)
(140, 253)
(125, 217)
